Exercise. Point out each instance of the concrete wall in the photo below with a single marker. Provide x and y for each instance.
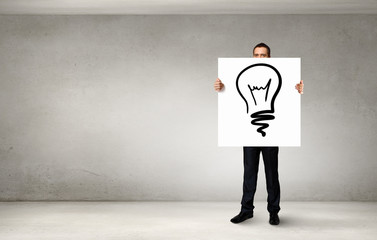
(123, 108)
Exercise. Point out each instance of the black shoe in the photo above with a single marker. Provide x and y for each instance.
(242, 216)
(274, 219)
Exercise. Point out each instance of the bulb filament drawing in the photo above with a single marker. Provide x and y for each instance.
(254, 84)
(256, 88)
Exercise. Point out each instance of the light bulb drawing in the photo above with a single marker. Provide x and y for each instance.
(258, 85)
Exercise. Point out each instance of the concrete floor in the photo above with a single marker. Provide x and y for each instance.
(184, 220)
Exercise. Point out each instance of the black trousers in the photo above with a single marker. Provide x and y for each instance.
(251, 164)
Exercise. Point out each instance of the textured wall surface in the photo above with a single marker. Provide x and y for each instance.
(123, 107)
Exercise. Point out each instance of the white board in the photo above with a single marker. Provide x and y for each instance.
(259, 105)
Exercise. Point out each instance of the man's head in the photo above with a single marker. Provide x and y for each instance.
(261, 50)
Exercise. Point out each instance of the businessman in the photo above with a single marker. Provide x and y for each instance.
(251, 163)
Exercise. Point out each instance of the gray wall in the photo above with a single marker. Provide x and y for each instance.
(123, 108)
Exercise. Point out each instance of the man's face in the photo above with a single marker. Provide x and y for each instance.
(260, 52)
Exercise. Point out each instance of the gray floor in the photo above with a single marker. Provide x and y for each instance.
(184, 220)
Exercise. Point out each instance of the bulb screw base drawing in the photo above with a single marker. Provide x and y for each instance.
(259, 119)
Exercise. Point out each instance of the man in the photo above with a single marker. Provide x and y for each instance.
(251, 163)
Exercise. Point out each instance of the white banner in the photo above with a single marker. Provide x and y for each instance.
(259, 105)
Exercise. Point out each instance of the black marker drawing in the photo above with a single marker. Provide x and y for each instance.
(254, 84)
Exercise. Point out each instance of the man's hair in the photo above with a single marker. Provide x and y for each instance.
(264, 46)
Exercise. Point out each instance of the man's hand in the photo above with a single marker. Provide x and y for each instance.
(218, 85)
(300, 87)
